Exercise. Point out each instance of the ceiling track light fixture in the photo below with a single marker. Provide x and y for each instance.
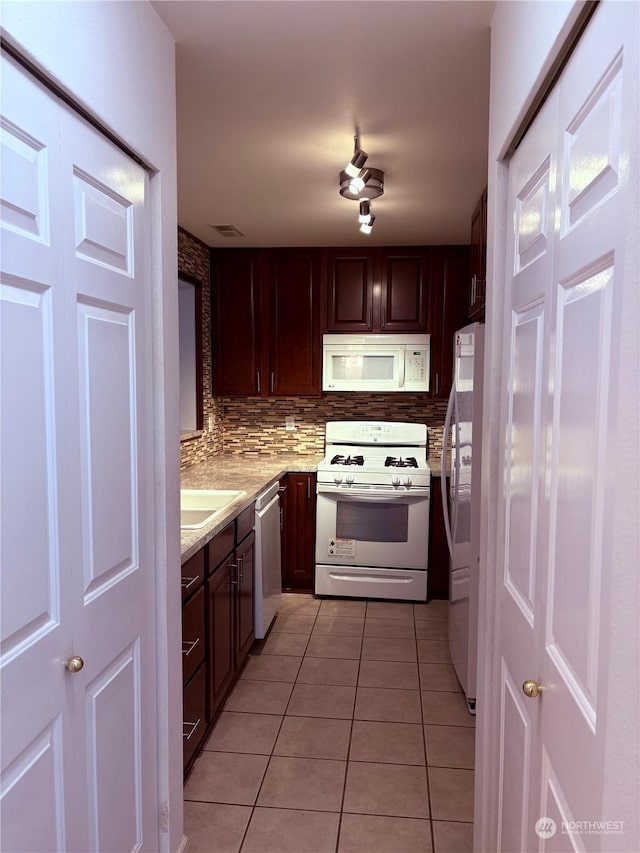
(361, 184)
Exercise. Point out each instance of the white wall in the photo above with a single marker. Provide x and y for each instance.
(117, 60)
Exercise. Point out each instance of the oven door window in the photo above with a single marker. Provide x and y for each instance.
(367, 521)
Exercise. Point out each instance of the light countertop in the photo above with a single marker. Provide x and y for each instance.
(250, 472)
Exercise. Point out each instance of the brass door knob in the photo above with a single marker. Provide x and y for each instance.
(531, 689)
(74, 664)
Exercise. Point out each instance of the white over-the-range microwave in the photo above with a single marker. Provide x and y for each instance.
(376, 363)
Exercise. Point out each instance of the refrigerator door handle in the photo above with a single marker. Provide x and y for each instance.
(443, 469)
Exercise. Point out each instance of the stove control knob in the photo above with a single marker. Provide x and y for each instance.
(408, 481)
(349, 479)
(337, 479)
(395, 480)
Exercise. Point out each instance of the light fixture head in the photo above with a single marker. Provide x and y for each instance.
(367, 227)
(365, 213)
(357, 184)
(373, 186)
(354, 166)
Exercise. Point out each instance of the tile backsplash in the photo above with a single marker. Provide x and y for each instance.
(256, 425)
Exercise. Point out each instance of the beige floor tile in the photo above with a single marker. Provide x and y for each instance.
(389, 743)
(301, 605)
(340, 626)
(303, 783)
(376, 834)
(314, 737)
(328, 671)
(253, 733)
(452, 837)
(390, 610)
(433, 651)
(436, 609)
(285, 644)
(319, 700)
(293, 624)
(439, 676)
(450, 746)
(432, 630)
(400, 628)
(446, 709)
(328, 646)
(451, 793)
(384, 648)
(259, 697)
(388, 705)
(272, 668)
(382, 673)
(226, 777)
(386, 789)
(210, 826)
(343, 608)
(290, 831)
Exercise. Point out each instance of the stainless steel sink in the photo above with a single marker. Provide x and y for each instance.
(200, 506)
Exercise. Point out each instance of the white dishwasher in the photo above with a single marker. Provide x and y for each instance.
(268, 578)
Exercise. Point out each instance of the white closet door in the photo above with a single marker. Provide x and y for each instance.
(573, 182)
(78, 749)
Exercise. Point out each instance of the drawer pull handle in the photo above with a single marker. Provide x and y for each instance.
(190, 646)
(185, 583)
(194, 726)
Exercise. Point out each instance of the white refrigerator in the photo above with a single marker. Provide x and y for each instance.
(463, 426)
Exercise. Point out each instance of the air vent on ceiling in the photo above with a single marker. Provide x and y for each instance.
(228, 231)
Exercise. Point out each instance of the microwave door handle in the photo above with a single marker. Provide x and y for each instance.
(402, 368)
(443, 469)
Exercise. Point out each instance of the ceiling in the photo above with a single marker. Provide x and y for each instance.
(269, 97)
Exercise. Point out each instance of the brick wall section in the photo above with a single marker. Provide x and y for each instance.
(193, 260)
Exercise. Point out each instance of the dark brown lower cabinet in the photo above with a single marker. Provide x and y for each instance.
(217, 626)
(438, 575)
(299, 533)
(194, 721)
(230, 612)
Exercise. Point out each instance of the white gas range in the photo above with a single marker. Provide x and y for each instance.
(372, 524)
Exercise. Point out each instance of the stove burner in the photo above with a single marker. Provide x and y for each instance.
(347, 460)
(392, 462)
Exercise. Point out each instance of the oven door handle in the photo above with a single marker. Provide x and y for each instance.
(377, 497)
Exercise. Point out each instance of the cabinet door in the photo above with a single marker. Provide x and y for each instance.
(283, 491)
(294, 322)
(220, 633)
(438, 571)
(299, 535)
(236, 310)
(245, 558)
(449, 277)
(350, 286)
(478, 277)
(404, 291)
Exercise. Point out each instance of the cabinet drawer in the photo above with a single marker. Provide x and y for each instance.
(193, 708)
(192, 574)
(193, 645)
(245, 523)
(220, 547)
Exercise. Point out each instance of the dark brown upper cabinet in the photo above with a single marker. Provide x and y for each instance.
(478, 272)
(236, 332)
(449, 275)
(378, 290)
(294, 330)
(350, 285)
(266, 322)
